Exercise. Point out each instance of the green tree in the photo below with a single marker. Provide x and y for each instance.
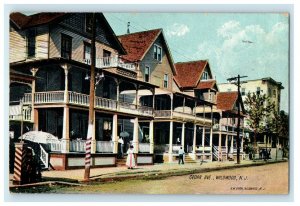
(259, 110)
(280, 124)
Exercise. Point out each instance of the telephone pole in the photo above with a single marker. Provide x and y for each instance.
(91, 106)
(238, 84)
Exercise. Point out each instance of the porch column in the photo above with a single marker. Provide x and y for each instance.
(33, 112)
(210, 142)
(136, 97)
(35, 119)
(183, 135)
(93, 141)
(183, 104)
(194, 139)
(231, 145)
(115, 137)
(66, 68)
(65, 136)
(151, 136)
(171, 97)
(203, 140)
(242, 144)
(135, 141)
(171, 142)
(153, 99)
(220, 146)
(226, 144)
(118, 93)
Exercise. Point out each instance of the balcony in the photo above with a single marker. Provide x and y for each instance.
(79, 99)
(108, 62)
(168, 114)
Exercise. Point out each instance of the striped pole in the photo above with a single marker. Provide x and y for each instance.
(88, 146)
(19, 164)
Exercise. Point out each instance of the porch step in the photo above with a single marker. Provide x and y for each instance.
(188, 159)
(121, 162)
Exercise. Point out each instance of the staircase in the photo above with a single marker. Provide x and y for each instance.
(215, 153)
(121, 162)
(188, 159)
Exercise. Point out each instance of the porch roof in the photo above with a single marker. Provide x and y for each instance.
(59, 60)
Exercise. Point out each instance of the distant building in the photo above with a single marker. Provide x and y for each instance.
(267, 86)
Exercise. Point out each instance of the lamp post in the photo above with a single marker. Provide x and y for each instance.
(238, 84)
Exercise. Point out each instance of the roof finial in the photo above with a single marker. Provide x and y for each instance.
(128, 25)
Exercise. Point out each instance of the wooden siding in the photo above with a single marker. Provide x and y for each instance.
(77, 44)
(18, 44)
(157, 69)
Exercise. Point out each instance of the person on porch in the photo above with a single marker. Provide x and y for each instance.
(181, 153)
(130, 162)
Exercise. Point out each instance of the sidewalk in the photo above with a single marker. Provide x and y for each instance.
(155, 171)
(169, 169)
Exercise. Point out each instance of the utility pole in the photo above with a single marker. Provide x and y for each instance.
(91, 106)
(238, 161)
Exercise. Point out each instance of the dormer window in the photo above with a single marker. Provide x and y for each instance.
(88, 23)
(66, 46)
(166, 81)
(87, 53)
(157, 54)
(204, 76)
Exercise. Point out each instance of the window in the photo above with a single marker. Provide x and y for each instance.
(87, 53)
(66, 46)
(157, 53)
(88, 23)
(166, 81)
(31, 43)
(204, 76)
(243, 91)
(274, 93)
(258, 90)
(269, 92)
(147, 73)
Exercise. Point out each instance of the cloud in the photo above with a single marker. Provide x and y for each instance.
(177, 30)
(231, 53)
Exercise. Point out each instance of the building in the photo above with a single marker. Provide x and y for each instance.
(264, 86)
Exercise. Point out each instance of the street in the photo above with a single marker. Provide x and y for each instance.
(266, 179)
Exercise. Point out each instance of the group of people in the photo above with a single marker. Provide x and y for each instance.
(265, 154)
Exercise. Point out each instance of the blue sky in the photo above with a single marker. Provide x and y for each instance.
(222, 38)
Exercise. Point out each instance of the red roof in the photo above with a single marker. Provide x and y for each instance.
(137, 44)
(226, 100)
(189, 73)
(209, 84)
(23, 21)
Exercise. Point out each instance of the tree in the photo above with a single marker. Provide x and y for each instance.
(259, 109)
(280, 125)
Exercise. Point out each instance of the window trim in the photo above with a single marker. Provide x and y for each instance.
(86, 44)
(155, 56)
(166, 75)
(205, 74)
(31, 37)
(147, 67)
(67, 37)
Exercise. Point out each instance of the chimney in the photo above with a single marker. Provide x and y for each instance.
(128, 25)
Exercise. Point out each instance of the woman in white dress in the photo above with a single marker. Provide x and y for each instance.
(130, 162)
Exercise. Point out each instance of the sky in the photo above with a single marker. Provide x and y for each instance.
(252, 44)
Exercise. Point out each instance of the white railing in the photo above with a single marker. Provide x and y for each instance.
(128, 106)
(104, 146)
(144, 147)
(79, 98)
(44, 156)
(27, 99)
(199, 149)
(55, 146)
(105, 103)
(145, 110)
(77, 146)
(49, 97)
(176, 147)
(112, 61)
(162, 113)
(224, 149)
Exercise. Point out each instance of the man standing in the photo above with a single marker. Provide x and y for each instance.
(181, 153)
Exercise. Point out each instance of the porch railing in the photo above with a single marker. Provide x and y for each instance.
(161, 148)
(44, 157)
(55, 146)
(162, 113)
(27, 99)
(176, 147)
(112, 61)
(79, 98)
(199, 149)
(49, 97)
(144, 147)
(101, 102)
(77, 146)
(104, 146)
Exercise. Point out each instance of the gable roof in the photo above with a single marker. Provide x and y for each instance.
(22, 21)
(208, 84)
(226, 100)
(138, 44)
(189, 73)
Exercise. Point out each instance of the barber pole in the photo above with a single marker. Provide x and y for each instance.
(20, 160)
(88, 146)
